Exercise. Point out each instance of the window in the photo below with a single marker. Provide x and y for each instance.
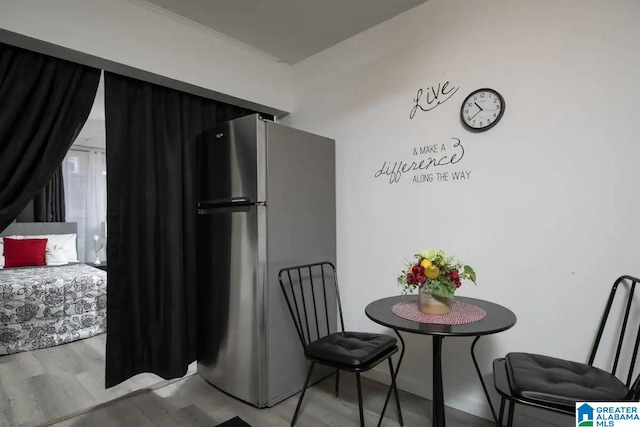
(85, 193)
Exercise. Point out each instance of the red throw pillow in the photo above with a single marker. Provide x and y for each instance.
(24, 252)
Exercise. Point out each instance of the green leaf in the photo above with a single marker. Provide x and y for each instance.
(443, 293)
(443, 289)
(430, 254)
(469, 272)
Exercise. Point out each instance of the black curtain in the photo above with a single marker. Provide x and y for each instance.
(44, 102)
(151, 133)
(48, 205)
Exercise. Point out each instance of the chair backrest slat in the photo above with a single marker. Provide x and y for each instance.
(304, 305)
(315, 305)
(298, 323)
(326, 305)
(633, 358)
(621, 341)
(339, 304)
(623, 329)
(603, 322)
(300, 285)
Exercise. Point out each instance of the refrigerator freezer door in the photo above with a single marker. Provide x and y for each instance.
(231, 277)
(231, 161)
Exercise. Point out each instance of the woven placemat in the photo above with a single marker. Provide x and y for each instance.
(461, 313)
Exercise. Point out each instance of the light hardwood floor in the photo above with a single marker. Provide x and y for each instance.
(64, 386)
(43, 385)
(193, 402)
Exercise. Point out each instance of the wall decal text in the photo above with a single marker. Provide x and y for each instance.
(433, 96)
(425, 169)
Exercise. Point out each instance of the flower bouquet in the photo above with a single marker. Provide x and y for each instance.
(437, 277)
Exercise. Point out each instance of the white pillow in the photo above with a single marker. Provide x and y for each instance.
(56, 256)
(65, 241)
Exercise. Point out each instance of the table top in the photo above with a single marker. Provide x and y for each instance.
(498, 318)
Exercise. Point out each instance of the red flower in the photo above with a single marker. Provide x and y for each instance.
(411, 278)
(417, 270)
(454, 276)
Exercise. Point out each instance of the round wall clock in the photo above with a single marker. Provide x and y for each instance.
(482, 109)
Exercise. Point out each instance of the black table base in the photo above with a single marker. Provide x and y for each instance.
(437, 416)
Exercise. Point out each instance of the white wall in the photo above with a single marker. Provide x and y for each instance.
(127, 33)
(548, 217)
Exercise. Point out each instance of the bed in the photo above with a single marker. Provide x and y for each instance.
(48, 305)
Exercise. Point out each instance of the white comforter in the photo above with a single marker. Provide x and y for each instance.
(46, 306)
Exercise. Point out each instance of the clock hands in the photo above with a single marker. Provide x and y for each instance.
(480, 111)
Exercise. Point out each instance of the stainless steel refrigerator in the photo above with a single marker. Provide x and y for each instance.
(266, 201)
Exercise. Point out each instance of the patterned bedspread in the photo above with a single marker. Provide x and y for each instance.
(47, 306)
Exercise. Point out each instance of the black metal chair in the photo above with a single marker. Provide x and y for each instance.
(313, 302)
(556, 384)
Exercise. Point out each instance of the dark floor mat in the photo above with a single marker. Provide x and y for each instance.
(234, 422)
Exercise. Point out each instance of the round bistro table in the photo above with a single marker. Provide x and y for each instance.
(498, 319)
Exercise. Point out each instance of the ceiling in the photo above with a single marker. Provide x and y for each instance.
(290, 30)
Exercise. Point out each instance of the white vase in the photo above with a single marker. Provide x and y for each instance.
(430, 304)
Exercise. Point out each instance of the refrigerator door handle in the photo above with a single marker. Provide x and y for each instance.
(236, 201)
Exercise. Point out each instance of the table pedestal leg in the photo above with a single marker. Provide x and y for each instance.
(437, 418)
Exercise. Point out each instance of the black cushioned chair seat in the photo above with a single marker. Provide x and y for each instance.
(560, 383)
(350, 348)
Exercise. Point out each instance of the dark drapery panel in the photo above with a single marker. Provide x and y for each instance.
(48, 205)
(44, 102)
(151, 133)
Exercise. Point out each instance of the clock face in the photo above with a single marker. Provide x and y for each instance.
(482, 109)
